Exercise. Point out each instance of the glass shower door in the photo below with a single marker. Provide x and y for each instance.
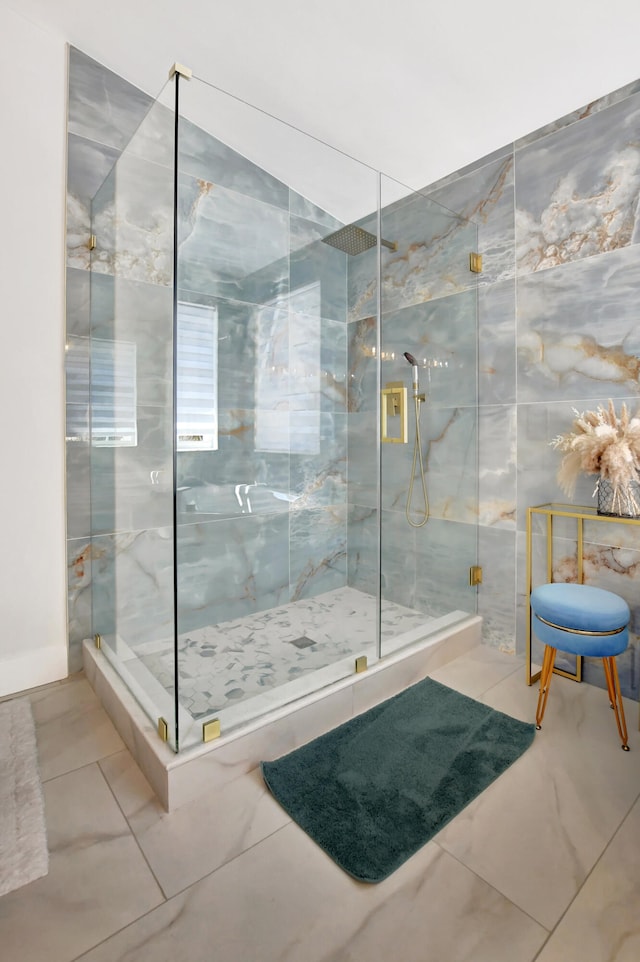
(429, 413)
(131, 429)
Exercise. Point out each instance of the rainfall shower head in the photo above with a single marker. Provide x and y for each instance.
(355, 240)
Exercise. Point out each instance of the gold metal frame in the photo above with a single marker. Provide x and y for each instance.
(393, 403)
(551, 511)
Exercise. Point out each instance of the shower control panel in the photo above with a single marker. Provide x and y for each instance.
(393, 409)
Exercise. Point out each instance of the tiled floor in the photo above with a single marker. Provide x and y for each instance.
(543, 865)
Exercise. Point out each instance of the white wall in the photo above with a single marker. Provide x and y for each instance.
(33, 629)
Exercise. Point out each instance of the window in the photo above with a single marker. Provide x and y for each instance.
(197, 377)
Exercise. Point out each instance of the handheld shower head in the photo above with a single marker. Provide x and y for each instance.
(411, 359)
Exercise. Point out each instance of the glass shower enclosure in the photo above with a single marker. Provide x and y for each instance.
(253, 295)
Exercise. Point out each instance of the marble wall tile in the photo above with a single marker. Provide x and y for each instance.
(132, 585)
(319, 476)
(577, 330)
(79, 614)
(313, 262)
(102, 106)
(362, 540)
(78, 293)
(497, 593)
(303, 207)
(318, 551)
(88, 164)
(497, 343)
(431, 260)
(398, 542)
(78, 471)
(362, 371)
(444, 553)
(574, 202)
(441, 335)
(363, 473)
(231, 568)
(231, 245)
(79, 228)
(484, 196)
(498, 445)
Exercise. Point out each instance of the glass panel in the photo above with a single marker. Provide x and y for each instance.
(131, 400)
(428, 348)
(271, 604)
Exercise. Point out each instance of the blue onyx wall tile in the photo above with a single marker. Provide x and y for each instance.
(318, 555)
(497, 594)
(577, 189)
(102, 106)
(484, 196)
(79, 554)
(312, 262)
(319, 476)
(444, 552)
(578, 335)
(78, 302)
(497, 482)
(497, 343)
(232, 568)
(231, 245)
(88, 165)
(303, 207)
(398, 542)
(362, 556)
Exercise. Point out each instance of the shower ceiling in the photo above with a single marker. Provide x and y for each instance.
(417, 90)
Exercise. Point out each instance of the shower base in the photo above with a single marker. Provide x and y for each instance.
(316, 682)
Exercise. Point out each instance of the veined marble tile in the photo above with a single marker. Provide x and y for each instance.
(98, 880)
(431, 260)
(133, 222)
(132, 584)
(587, 111)
(303, 207)
(574, 202)
(442, 337)
(577, 330)
(563, 783)
(313, 262)
(361, 353)
(485, 197)
(102, 106)
(78, 292)
(602, 922)
(497, 445)
(497, 593)
(398, 558)
(77, 462)
(444, 552)
(88, 163)
(477, 671)
(317, 550)
(175, 845)
(231, 245)
(362, 458)
(72, 728)
(319, 476)
(79, 606)
(497, 343)
(79, 226)
(230, 568)
(286, 898)
(362, 548)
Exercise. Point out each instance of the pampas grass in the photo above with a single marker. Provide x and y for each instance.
(601, 443)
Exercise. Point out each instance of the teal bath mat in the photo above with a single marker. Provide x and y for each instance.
(376, 789)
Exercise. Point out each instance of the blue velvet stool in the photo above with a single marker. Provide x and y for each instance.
(581, 620)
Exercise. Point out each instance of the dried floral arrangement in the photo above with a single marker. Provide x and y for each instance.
(605, 444)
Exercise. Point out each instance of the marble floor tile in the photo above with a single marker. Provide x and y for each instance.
(536, 832)
(201, 835)
(286, 900)
(98, 880)
(72, 728)
(603, 922)
(480, 670)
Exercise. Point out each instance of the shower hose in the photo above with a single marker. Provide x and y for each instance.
(417, 459)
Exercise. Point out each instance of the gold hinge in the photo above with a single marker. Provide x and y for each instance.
(92, 242)
(179, 68)
(475, 575)
(361, 664)
(163, 730)
(97, 640)
(475, 263)
(211, 730)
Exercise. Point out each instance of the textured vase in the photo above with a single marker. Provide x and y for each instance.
(618, 500)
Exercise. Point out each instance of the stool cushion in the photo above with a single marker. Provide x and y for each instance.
(583, 607)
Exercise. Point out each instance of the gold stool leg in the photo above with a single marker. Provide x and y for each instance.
(548, 662)
(615, 696)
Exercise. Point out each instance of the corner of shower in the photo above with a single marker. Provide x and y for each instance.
(250, 299)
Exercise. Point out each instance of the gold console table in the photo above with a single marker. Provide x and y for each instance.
(551, 511)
